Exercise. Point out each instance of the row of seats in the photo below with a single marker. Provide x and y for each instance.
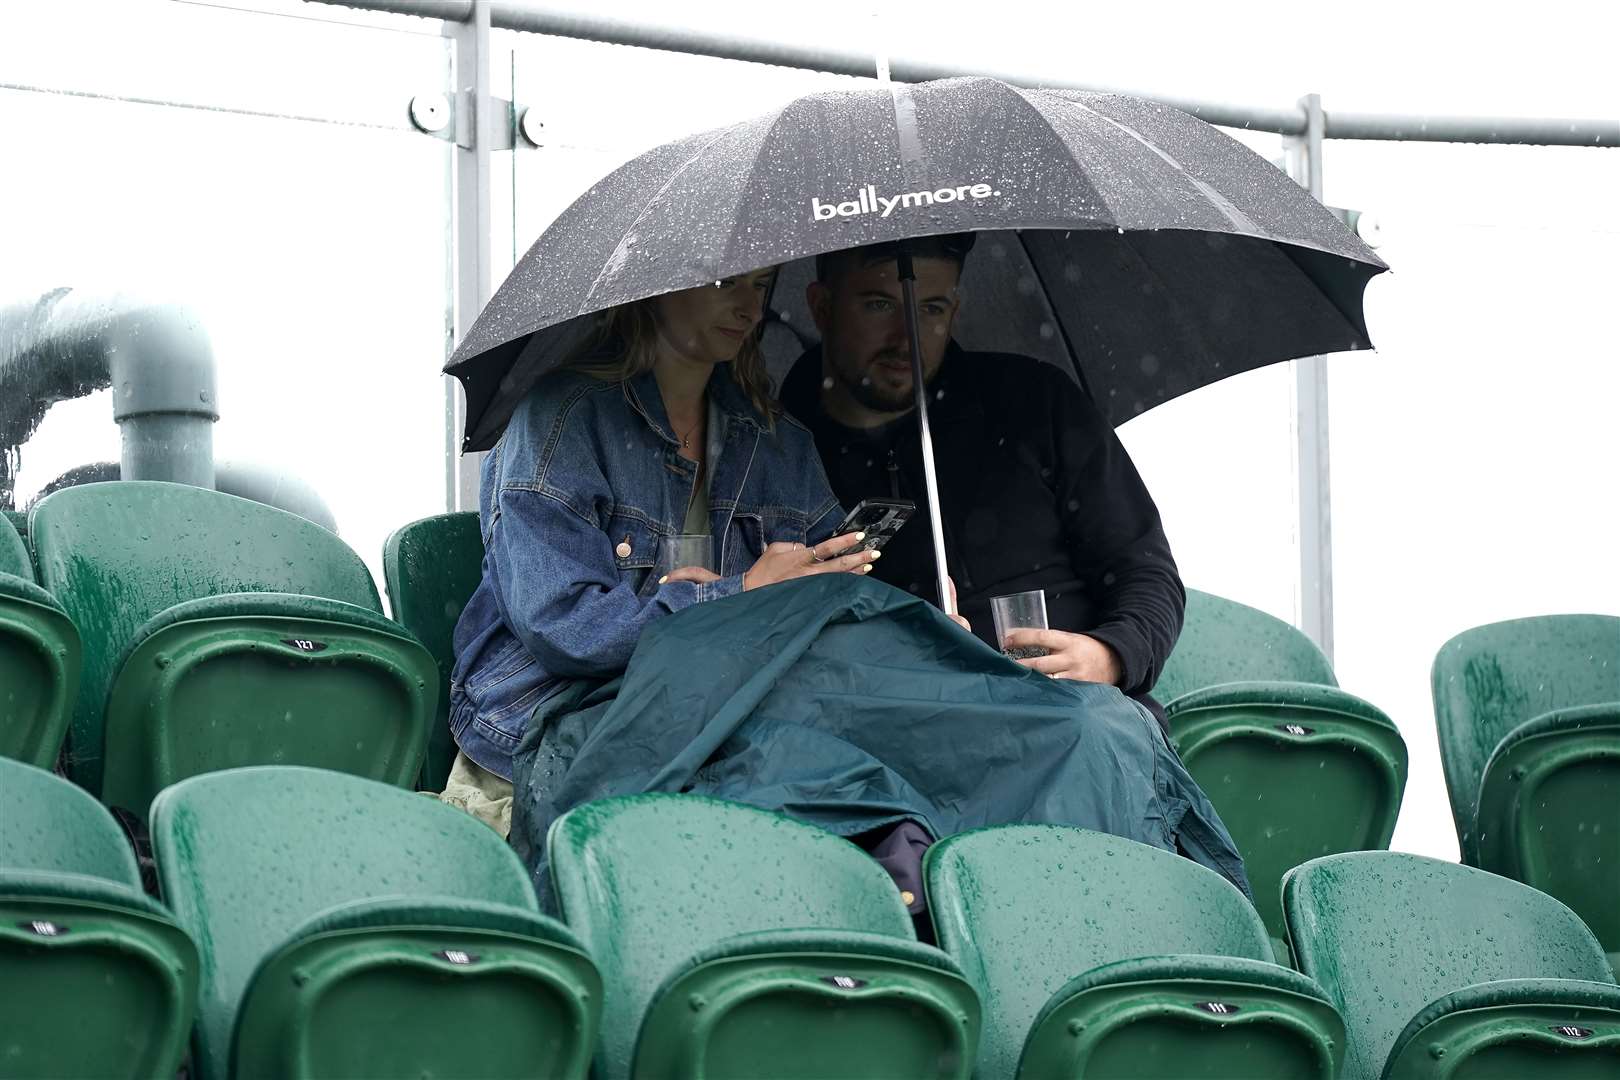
(1298, 767)
(317, 924)
(176, 630)
(297, 653)
(1528, 717)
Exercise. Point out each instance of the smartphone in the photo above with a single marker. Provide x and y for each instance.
(879, 519)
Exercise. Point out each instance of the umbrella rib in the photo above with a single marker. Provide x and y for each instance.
(753, 171)
(620, 252)
(1238, 219)
(1057, 320)
(1021, 96)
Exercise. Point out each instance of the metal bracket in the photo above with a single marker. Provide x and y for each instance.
(434, 114)
(431, 115)
(530, 126)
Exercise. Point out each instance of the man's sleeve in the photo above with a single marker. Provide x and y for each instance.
(1118, 545)
(558, 585)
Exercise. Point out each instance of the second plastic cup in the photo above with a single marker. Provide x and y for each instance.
(1019, 611)
(687, 549)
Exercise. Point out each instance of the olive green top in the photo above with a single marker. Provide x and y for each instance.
(697, 510)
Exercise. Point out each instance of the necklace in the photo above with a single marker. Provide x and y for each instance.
(686, 440)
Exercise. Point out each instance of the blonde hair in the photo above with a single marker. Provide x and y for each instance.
(624, 344)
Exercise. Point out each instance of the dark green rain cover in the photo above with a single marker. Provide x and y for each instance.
(848, 704)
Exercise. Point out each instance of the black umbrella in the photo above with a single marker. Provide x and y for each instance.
(1141, 249)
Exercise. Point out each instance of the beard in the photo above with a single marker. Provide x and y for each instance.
(863, 385)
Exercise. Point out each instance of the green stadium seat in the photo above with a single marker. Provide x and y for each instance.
(351, 929)
(1447, 971)
(221, 632)
(737, 943)
(431, 568)
(1098, 956)
(96, 978)
(1531, 772)
(1224, 641)
(19, 522)
(1296, 767)
(1549, 813)
(39, 660)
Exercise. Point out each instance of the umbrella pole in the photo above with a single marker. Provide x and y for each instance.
(908, 286)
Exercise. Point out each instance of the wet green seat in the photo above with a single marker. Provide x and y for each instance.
(1446, 971)
(736, 943)
(431, 568)
(353, 929)
(1097, 956)
(1224, 641)
(96, 978)
(19, 522)
(39, 660)
(1549, 813)
(221, 632)
(1530, 769)
(1296, 767)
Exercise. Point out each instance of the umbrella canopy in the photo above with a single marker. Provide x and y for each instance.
(1138, 247)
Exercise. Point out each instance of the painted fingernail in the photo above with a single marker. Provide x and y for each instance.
(866, 569)
(876, 555)
(663, 579)
(860, 536)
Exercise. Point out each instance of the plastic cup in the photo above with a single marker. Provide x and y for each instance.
(1019, 611)
(687, 549)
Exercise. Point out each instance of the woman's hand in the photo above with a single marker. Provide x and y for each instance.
(783, 562)
(690, 573)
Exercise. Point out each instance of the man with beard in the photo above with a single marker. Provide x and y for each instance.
(1036, 491)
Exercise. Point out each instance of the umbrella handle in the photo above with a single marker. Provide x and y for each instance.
(908, 286)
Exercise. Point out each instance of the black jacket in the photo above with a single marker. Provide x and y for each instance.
(1037, 493)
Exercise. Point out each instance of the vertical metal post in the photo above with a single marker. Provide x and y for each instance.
(936, 511)
(1311, 427)
(475, 120)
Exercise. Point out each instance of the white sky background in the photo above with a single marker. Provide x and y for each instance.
(1473, 454)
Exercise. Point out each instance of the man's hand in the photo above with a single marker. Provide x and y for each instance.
(951, 611)
(1069, 656)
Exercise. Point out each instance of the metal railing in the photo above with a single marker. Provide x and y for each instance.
(560, 21)
(1304, 127)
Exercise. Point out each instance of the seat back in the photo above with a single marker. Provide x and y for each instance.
(648, 881)
(1549, 814)
(1225, 641)
(247, 855)
(99, 980)
(1489, 680)
(431, 568)
(1026, 908)
(1296, 771)
(14, 557)
(391, 988)
(49, 824)
(1386, 933)
(39, 670)
(19, 524)
(116, 554)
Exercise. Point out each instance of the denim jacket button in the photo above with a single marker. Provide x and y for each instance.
(623, 550)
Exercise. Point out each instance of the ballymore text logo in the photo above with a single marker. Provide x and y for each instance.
(870, 202)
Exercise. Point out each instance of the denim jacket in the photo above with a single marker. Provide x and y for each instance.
(574, 498)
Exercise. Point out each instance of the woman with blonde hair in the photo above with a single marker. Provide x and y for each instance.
(662, 424)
